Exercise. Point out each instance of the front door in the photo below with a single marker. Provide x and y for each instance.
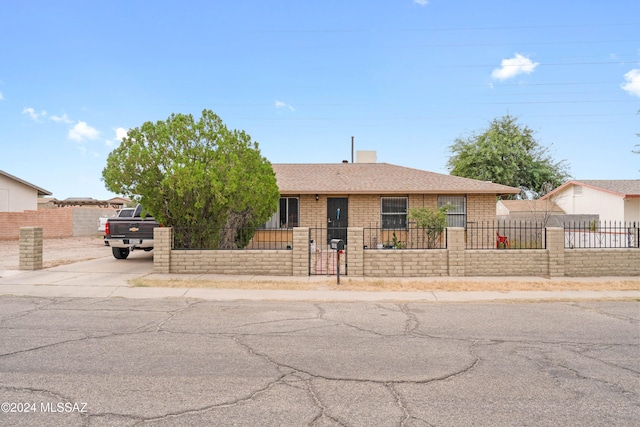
(337, 218)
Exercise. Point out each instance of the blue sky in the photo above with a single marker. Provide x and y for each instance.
(404, 77)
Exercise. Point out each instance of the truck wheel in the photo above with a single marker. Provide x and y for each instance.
(120, 253)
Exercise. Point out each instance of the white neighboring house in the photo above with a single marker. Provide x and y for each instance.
(612, 200)
(17, 195)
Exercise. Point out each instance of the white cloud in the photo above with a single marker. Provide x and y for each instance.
(62, 119)
(32, 113)
(633, 82)
(280, 104)
(82, 131)
(1, 97)
(511, 67)
(120, 133)
(421, 2)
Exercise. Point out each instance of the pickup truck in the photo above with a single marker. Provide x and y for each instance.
(120, 213)
(125, 234)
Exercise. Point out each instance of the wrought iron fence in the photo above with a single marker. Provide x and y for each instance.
(505, 235)
(601, 234)
(233, 239)
(323, 261)
(405, 238)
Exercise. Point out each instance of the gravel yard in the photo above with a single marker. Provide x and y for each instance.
(55, 251)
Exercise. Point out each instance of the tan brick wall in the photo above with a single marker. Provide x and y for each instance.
(524, 262)
(454, 261)
(602, 262)
(240, 262)
(313, 213)
(404, 263)
(481, 207)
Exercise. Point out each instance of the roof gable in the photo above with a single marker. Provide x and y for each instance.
(376, 178)
(628, 188)
(41, 191)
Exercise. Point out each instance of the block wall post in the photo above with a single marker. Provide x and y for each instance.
(162, 246)
(455, 251)
(301, 251)
(31, 248)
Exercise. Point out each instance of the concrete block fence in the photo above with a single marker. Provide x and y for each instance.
(31, 248)
(455, 260)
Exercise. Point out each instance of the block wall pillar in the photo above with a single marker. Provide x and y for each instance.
(355, 251)
(455, 251)
(555, 249)
(162, 246)
(301, 251)
(31, 248)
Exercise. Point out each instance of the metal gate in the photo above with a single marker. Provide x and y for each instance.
(323, 261)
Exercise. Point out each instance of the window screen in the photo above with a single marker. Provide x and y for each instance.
(457, 214)
(394, 212)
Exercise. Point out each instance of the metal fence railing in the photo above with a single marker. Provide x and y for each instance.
(324, 261)
(505, 235)
(405, 238)
(233, 239)
(603, 234)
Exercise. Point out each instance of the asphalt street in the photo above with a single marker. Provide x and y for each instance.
(180, 361)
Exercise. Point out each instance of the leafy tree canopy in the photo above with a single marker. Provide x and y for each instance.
(195, 174)
(507, 153)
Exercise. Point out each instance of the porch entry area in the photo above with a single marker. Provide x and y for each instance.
(323, 261)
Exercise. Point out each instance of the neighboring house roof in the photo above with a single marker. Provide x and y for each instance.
(529, 206)
(41, 191)
(376, 178)
(627, 188)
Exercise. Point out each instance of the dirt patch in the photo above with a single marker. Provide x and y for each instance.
(55, 252)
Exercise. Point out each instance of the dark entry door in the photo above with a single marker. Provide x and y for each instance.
(337, 218)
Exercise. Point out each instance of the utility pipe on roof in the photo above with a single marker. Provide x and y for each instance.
(352, 149)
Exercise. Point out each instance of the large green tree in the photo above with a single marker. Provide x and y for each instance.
(195, 176)
(507, 153)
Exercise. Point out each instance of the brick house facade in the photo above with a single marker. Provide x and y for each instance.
(364, 187)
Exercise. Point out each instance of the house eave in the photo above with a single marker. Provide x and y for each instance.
(41, 191)
(395, 192)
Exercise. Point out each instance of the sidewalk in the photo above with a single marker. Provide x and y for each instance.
(79, 280)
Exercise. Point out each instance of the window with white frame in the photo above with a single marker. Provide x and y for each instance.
(286, 215)
(394, 212)
(457, 213)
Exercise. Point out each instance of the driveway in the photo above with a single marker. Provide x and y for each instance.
(126, 362)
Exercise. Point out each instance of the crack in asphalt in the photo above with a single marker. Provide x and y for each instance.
(581, 351)
(234, 402)
(303, 380)
(582, 306)
(323, 409)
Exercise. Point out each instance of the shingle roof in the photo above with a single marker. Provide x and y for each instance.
(376, 178)
(628, 187)
(621, 187)
(41, 191)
